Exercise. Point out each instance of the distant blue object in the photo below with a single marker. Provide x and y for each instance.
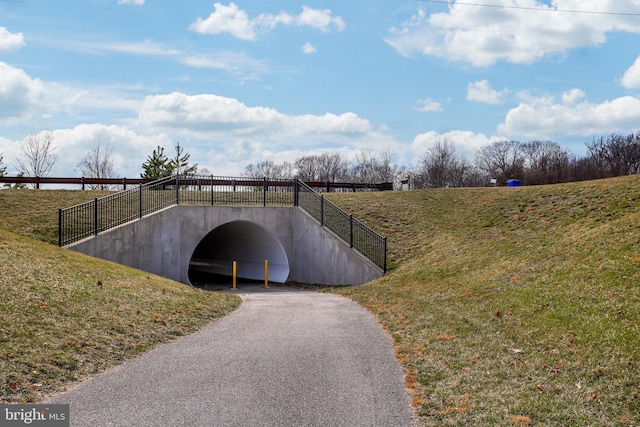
(513, 183)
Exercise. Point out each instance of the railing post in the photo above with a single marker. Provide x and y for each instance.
(322, 210)
(140, 200)
(264, 191)
(296, 192)
(351, 231)
(95, 216)
(384, 265)
(212, 198)
(177, 189)
(60, 228)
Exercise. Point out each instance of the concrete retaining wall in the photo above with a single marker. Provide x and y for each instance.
(164, 242)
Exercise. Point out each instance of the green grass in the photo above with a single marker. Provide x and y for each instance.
(34, 213)
(512, 306)
(64, 316)
(507, 306)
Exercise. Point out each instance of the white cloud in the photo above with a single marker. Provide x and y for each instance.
(482, 36)
(144, 48)
(466, 143)
(235, 63)
(320, 19)
(572, 96)
(308, 48)
(481, 92)
(135, 2)
(10, 42)
(236, 135)
(429, 105)
(24, 99)
(129, 149)
(216, 115)
(574, 116)
(631, 78)
(20, 95)
(226, 19)
(236, 22)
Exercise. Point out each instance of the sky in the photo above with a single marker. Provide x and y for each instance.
(237, 83)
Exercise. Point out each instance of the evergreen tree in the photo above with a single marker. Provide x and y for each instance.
(156, 166)
(179, 165)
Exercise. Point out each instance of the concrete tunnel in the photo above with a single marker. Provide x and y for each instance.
(245, 242)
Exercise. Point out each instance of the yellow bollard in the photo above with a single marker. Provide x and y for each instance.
(233, 286)
(266, 273)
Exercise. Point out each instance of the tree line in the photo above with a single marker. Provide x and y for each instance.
(367, 168)
(532, 163)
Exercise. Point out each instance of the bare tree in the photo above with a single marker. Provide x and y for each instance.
(307, 167)
(364, 167)
(441, 167)
(439, 164)
(501, 160)
(269, 169)
(332, 167)
(617, 155)
(36, 155)
(546, 162)
(3, 169)
(387, 170)
(97, 163)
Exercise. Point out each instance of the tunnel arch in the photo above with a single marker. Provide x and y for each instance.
(247, 243)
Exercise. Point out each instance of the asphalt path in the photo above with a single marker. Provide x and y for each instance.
(286, 357)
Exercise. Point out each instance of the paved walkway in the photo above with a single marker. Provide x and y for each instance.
(285, 358)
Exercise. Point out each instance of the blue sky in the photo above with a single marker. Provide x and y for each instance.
(245, 81)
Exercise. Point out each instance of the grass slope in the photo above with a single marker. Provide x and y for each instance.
(64, 316)
(512, 306)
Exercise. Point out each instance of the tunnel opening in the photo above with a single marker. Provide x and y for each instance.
(245, 242)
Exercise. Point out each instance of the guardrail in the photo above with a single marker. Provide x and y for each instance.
(81, 181)
(90, 218)
(92, 183)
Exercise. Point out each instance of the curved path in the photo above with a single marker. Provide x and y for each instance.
(285, 358)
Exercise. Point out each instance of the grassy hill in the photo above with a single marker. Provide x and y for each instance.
(507, 306)
(513, 306)
(64, 316)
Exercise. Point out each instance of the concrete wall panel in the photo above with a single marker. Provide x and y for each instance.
(164, 242)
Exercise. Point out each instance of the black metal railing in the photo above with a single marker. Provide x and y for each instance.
(90, 218)
(360, 237)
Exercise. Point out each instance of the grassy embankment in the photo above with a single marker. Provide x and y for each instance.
(512, 306)
(64, 316)
(508, 306)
